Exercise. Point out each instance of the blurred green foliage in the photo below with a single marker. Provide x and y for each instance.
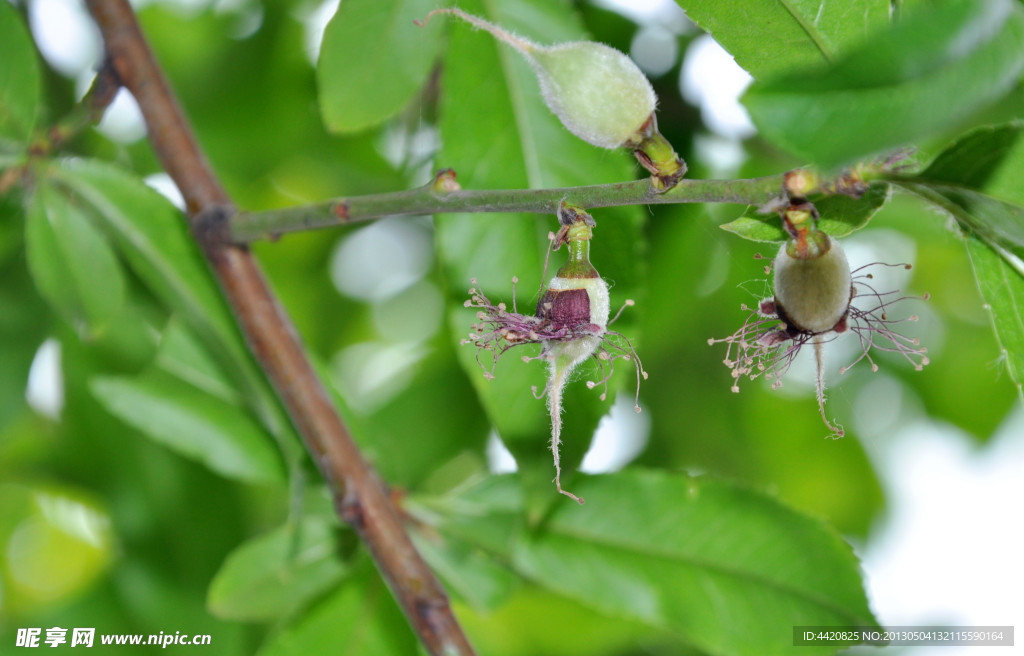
(163, 489)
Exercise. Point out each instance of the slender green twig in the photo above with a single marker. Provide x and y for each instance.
(87, 112)
(433, 199)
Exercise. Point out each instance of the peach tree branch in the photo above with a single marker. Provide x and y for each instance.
(442, 194)
(360, 497)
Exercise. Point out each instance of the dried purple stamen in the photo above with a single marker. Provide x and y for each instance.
(499, 330)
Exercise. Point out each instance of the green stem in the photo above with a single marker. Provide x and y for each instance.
(577, 264)
(86, 113)
(252, 226)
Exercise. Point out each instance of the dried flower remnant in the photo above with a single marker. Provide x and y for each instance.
(570, 323)
(814, 304)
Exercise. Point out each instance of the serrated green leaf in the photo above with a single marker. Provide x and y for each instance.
(195, 424)
(840, 216)
(998, 222)
(497, 133)
(1002, 287)
(975, 159)
(273, 575)
(769, 38)
(373, 60)
(359, 619)
(695, 556)
(930, 70)
(71, 262)
(976, 180)
(19, 80)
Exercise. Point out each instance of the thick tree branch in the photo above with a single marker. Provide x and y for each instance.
(433, 198)
(361, 498)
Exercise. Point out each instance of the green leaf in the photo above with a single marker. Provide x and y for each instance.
(273, 575)
(930, 70)
(73, 266)
(373, 60)
(978, 158)
(437, 382)
(997, 221)
(195, 424)
(1002, 287)
(359, 619)
(769, 38)
(497, 133)
(19, 79)
(24, 323)
(976, 180)
(183, 356)
(467, 572)
(153, 238)
(695, 556)
(840, 216)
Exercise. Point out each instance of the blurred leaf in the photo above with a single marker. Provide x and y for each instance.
(183, 356)
(931, 69)
(840, 216)
(446, 423)
(57, 542)
(1003, 290)
(768, 38)
(24, 319)
(71, 262)
(273, 575)
(696, 556)
(193, 423)
(359, 619)
(558, 626)
(467, 572)
(497, 133)
(19, 78)
(153, 237)
(373, 60)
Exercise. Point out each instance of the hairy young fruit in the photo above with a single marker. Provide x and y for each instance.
(598, 94)
(571, 323)
(813, 304)
(812, 284)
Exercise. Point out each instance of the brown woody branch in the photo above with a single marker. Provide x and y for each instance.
(360, 497)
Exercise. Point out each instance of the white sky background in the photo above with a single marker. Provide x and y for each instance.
(948, 551)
